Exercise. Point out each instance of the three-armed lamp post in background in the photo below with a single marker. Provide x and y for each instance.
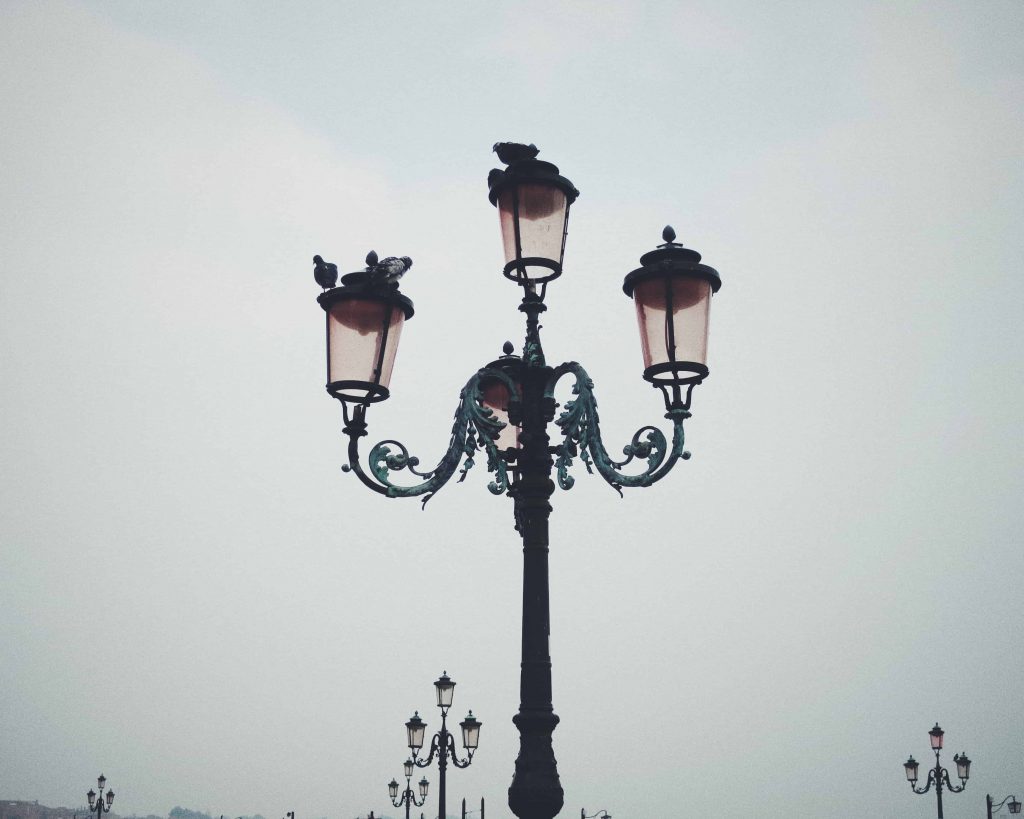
(938, 775)
(506, 408)
(408, 798)
(443, 743)
(97, 803)
(1013, 806)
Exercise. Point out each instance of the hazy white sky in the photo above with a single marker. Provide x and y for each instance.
(198, 603)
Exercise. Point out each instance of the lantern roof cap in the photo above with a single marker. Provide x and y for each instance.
(367, 284)
(671, 258)
(524, 167)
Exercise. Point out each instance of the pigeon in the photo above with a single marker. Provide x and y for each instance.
(509, 152)
(325, 273)
(389, 270)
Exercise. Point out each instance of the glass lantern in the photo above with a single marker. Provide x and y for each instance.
(445, 690)
(470, 732)
(393, 789)
(936, 737)
(672, 294)
(364, 323)
(424, 787)
(910, 766)
(533, 203)
(414, 729)
(963, 767)
(496, 396)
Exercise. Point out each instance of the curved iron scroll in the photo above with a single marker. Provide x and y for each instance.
(582, 437)
(475, 427)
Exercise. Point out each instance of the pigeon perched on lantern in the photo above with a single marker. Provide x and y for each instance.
(388, 270)
(325, 273)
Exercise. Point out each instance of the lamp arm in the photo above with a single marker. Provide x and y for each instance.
(475, 427)
(412, 796)
(582, 436)
(1007, 799)
(434, 748)
(454, 757)
(949, 785)
(928, 785)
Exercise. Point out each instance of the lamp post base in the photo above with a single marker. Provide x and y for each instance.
(535, 792)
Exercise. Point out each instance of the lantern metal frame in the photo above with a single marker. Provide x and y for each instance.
(442, 744)
(939, 776)
(529, 472)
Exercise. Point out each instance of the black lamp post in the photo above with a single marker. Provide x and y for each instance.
(408, 798)
(466, 813)
(1013, 806)
(99, 804)
(507, 407)
(443, 743)
(938, 775)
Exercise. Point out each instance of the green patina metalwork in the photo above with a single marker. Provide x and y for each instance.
(582, 437)
(475, 428)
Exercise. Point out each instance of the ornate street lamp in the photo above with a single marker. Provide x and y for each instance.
(408, 798)
(601, 814)
(442, 744)
(938, 775)
(506, 408)
(1011, 803)
(99, 804)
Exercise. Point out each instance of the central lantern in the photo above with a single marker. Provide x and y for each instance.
(533, 203)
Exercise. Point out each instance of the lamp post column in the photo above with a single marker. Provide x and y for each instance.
(536, 792)
(938, 783)
(442, 765)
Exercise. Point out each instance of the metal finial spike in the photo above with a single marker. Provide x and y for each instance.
(371, 258)
(507, 348)
(668, 234)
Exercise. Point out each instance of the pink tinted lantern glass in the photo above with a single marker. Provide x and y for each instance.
(935, 735)
(362, 339)
(686, 337)
(542, 211)
(496, 396)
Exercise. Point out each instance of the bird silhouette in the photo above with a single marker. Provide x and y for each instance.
(390, 269)
(325, 273)
(509, 152)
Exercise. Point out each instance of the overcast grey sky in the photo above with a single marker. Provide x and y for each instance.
(198, 603)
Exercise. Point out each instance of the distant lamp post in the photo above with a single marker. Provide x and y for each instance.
(100, 804)
(938, 775)
(466, 813)
(408, 798)
(1013, 806)
(443, 743)
(601, 814)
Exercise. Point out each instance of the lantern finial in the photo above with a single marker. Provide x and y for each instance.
(668, 234)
